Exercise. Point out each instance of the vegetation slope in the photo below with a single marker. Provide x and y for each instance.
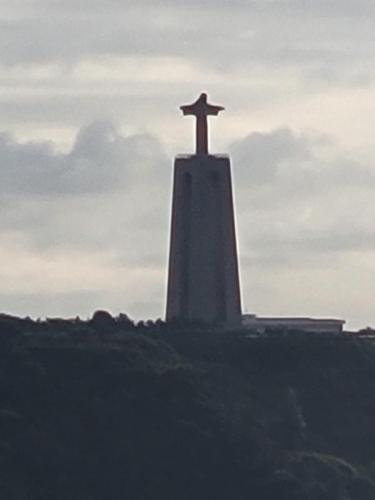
(106, 409)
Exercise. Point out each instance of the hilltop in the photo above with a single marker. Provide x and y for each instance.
(105, 409)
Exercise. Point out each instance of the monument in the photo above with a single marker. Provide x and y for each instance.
(203, 280)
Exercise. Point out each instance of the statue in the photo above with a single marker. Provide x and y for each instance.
(203, 277)
(201, 109)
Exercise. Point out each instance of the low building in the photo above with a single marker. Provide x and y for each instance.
(313, 325)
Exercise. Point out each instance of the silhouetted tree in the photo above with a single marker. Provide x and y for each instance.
(124, 322)
(102, 321)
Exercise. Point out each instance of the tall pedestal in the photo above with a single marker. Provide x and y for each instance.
(203, 282)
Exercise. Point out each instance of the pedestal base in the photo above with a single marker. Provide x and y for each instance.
(203, 282)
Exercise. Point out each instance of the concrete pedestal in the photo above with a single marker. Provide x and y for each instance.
(203, 282)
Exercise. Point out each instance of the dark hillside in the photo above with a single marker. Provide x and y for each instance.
(106, 410)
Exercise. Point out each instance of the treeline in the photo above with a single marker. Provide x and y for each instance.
(104, 323)
(100, 322)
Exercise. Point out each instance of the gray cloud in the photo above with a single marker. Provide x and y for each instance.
(101, 160)
(315, 39)
(109, 193)
(299, 199)
(296, 164)
(260, 156)
(64, 63)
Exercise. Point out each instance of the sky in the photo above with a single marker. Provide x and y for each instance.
(89, 127)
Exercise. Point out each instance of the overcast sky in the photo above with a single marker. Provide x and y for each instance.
(89, 126)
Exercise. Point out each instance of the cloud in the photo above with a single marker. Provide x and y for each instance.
(306, 239)
(260, 156)
(310, 38)
(299, 198)
(289, 164)
(304, 63)
(108, 191)
(101, 160)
